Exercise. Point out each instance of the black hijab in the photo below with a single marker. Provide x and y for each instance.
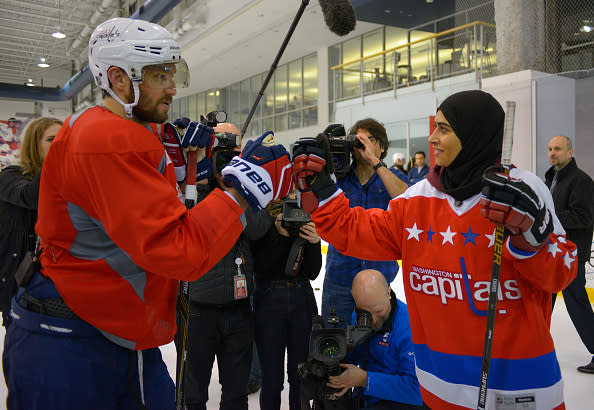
(477, 119)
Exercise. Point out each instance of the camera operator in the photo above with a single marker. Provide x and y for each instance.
(220, 318)
(385, 376)
(368, 184)
(285, 260)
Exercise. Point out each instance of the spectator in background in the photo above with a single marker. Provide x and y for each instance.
(573, 194)
(420, 170)
(398, 159)
(285, 261)
(19, 190)
(369, 184)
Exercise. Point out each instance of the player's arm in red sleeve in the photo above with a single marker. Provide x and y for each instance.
(140, 211)
(371, 234)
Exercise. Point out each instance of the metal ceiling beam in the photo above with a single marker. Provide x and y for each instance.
(151, 10)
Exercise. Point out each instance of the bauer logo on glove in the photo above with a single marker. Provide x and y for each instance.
(261, 173)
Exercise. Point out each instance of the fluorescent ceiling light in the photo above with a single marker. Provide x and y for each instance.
(58, 34)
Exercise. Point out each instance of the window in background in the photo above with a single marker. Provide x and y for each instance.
(351, 50)
(295, 93)
(310, 90)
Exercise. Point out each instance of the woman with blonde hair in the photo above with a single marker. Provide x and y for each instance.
(19, 190)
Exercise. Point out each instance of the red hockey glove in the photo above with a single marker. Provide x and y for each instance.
(313, 167)
(514, 204)
(261, 173)
(173, 147)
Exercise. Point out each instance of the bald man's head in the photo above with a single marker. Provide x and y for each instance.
(560, 151)
(372, 293)
(227, 127)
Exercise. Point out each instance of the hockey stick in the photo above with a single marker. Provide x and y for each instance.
(183, 296)
(508, 139)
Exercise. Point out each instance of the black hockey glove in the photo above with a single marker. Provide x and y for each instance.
(514, 204)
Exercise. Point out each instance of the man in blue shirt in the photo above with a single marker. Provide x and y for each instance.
(420, 170)
(368, 184)
(385, 376)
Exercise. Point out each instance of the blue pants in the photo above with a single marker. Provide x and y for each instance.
(283, 314)
(338, 297)
(55, 363)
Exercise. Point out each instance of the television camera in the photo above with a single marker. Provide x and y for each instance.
(341, 148)
(328, 346)
(225, 143)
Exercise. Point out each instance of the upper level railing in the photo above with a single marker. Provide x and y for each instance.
(463, 49)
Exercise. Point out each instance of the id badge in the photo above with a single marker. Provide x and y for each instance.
(240, 286)
(239, 282)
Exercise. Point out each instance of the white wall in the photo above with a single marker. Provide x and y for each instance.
(545, 107)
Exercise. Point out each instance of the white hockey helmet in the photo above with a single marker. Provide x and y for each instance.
(132, 45)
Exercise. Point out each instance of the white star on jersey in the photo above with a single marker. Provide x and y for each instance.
(448, 236)
(414, 232)
(568, 259)
(491, 238)
(553, 248)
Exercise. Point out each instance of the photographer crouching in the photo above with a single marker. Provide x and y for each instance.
(381, 366)
(285, 261)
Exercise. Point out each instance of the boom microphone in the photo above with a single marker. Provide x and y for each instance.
(339, 16)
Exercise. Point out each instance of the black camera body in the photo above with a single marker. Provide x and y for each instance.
(327, 348)
(341, 148)
(213, 118)
(226, 140)
(293, 217)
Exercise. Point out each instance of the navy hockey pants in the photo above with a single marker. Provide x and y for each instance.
(55, 363)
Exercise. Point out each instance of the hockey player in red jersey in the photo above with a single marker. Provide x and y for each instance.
(443, 229)
(116, 238)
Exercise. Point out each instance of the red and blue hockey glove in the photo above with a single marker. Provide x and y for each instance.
(261, 173)
(195, 134)
(173, 147)
(313, 167)
(514, 204)
(203, 169)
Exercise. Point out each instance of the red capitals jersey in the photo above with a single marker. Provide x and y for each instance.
(447, 251)
(116, 238)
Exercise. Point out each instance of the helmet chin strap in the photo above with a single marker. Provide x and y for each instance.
(127, 107)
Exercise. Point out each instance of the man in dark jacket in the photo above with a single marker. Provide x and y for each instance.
(573, 194)
(221, 321)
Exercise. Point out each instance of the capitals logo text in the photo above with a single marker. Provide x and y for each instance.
(453, 285)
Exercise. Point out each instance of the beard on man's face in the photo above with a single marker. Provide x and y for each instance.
(147, 110)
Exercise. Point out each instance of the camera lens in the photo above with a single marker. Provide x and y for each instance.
(329, 347)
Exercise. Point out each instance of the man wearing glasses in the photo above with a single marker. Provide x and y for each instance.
(368, 184)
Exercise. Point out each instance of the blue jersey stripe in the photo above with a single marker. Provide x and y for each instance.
(505, 374)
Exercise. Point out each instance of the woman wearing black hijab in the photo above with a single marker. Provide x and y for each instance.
(443, 229)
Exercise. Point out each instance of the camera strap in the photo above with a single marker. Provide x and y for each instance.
(295, 258)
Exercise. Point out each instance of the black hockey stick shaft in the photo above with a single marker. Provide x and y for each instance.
(283, 46)
(508, 134)
(183, 300)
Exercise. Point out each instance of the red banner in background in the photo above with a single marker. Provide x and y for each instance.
(431, 129)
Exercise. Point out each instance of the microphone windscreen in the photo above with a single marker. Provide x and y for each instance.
(339, 16)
